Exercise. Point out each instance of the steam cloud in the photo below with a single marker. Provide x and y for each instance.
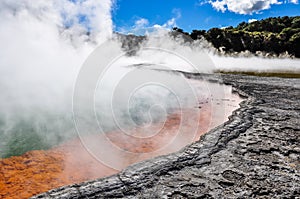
(43, 47)
(45, 43)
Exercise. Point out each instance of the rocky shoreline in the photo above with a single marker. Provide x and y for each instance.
(256, 154)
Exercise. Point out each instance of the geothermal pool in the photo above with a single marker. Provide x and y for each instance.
(73, 161)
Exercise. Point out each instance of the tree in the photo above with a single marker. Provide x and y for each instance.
(197, 34)
(274, 35)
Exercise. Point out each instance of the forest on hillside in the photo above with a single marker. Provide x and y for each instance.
(275, 35)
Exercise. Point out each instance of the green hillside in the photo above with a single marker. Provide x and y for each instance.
(274, 35)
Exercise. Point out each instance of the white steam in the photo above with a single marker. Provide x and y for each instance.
(44, 43)
(40, 57)
(256, 64)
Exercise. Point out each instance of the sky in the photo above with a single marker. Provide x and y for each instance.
(135, 15)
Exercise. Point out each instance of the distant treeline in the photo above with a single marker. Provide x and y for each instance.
(276, 35)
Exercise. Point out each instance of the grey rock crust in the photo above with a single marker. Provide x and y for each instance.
(256, 154)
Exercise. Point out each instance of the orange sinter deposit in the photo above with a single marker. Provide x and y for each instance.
(73, 162)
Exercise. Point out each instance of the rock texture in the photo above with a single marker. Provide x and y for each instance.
(256, 154)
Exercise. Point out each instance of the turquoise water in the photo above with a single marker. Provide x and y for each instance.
(34, 133)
